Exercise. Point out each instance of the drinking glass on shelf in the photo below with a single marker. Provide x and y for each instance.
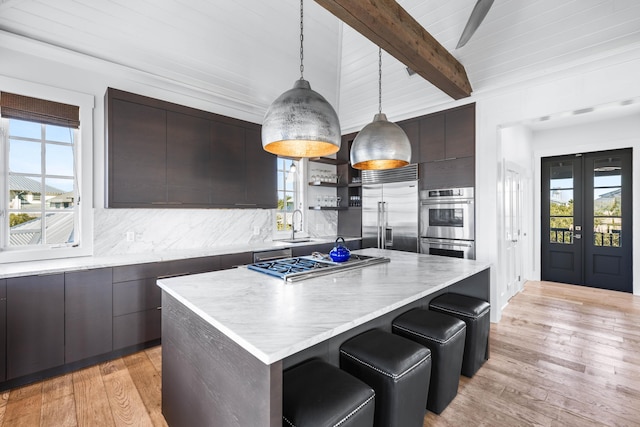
(319, 201)
(326, 201)
(338, 200)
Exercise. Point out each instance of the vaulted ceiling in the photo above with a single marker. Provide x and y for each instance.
(247, 52)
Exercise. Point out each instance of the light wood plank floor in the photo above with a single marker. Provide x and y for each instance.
(562, 355)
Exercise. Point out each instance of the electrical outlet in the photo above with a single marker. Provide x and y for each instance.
(256, 230)
(130, 236)
(138, 237)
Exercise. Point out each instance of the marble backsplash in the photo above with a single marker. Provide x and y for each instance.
(157, 230)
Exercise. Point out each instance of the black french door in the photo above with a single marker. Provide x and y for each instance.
(586, 219)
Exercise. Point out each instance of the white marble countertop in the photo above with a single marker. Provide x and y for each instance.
(273, 319)
(28, 268)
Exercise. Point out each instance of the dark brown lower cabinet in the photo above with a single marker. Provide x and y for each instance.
(3, 330)
(80, 317)
(88, 314)
(35, 324)
(136, 304)
(136, 328)
(234, 260)
(323, 248)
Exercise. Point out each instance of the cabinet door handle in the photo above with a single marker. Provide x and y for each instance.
(159, 308)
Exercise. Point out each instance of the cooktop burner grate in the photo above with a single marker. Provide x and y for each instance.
(299, 267)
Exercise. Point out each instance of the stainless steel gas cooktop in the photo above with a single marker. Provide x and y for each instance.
(298, 268)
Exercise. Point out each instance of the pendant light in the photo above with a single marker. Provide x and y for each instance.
(381, 144)
(300, 122)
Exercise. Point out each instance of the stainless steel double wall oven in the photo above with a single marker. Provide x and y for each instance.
(447, 222)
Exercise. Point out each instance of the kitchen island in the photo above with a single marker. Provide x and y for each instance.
(228, 335)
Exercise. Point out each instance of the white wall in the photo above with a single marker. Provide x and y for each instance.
(514, 146)
(601, 82)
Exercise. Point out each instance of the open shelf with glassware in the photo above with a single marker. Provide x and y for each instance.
(328, 208)
(325, 184)
(326, 160)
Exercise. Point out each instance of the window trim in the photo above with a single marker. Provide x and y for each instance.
(84, 173)
(299, 190)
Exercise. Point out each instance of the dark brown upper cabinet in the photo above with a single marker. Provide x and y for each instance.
(412, 129)
(188, 159)
(166, 155)
(432, 138)
(137, 154)
(448, 135)
(260, 172)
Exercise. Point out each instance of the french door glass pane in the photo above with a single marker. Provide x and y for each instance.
(561, 203)
(607, 202)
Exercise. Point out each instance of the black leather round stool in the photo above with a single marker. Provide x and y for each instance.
(475, 313)
(399, 371)
(444, 336)
(317, 394)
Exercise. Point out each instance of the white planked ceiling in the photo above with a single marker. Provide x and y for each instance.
(247, 51)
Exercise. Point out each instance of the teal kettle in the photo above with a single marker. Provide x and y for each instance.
(340, 253)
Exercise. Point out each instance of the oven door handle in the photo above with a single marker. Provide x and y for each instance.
(446, 202)
(439, 242)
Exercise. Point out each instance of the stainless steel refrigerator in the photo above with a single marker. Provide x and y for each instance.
(390, 216)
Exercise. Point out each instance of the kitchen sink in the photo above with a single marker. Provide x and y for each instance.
(303, 240)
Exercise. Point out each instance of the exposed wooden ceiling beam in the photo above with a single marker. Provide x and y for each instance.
(389, 26)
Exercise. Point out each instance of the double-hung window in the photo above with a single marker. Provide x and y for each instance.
(43, 211)
(290, 196)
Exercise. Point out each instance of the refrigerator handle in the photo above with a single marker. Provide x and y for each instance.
(379, 242)
(388, 231)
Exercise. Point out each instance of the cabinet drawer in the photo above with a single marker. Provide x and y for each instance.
(139, 271)
(136, 328)
(192, 266)
(233, 260)
(136, 295)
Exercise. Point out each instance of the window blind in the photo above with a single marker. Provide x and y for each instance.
(39, 110)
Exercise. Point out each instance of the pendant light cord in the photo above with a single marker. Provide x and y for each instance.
(379, 80)
(301, 40)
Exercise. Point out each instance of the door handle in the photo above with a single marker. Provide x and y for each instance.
(388, 236)
(577, 236)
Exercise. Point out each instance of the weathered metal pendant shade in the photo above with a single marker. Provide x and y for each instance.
(300, 122)
(381, 144)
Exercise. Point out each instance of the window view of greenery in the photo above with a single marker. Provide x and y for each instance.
(41, 202)
(287, 195)
(561, 204)
(607, 202)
